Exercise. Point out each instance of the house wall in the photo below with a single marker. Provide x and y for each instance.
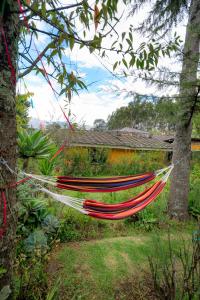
(195, 146)
(117, 155)
(137, 156)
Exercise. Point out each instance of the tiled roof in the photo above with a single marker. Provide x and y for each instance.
(170, 138)
(112, 139)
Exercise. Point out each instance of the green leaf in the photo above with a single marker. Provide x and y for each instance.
(5, 292)
(125, 63)
(123, 35)
(71, 42)
(115, 65)
(36, 241)
(129, 43)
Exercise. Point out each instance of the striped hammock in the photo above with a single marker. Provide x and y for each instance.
(99, 185)
(115, 211)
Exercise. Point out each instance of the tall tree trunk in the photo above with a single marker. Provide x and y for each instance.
(178, 200)
(10, 23)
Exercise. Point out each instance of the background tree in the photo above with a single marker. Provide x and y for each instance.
(146, 113)
(162, 17)
(99, 125)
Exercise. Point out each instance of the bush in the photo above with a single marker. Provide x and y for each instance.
(194, 203)
(37, 228)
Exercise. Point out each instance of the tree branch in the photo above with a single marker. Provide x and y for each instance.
(34, 63)
(50, 10)
(43, 31)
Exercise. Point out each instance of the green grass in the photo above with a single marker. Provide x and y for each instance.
(94, 269)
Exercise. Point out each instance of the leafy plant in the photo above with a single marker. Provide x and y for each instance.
(175, 272)
(34, 144)
(194, 205)
(50, 224)
(36, 242)
(46, 166)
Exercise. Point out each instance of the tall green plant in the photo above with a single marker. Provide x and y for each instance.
(34, 144)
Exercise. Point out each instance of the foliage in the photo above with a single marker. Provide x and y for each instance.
(175, 273)
(85, 162)
(163, 15)
(5, 292)
(22, 106)
(62, 23)
(46, 166)
(34, 144)
(36, 224)
(94, 162)
(36, 241)
(194, 205)
(146, 113)
(75, 227)
(99, 125)
(31, 280)
(36, 233)
(53, 293)
(196, 125)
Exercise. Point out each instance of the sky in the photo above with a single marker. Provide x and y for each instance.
(98, 102)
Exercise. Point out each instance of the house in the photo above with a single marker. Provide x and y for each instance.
(120, 144)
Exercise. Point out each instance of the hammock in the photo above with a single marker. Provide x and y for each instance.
(117, 211)
(94, 208)
(99, 185)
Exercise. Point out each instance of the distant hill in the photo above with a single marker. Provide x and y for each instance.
(36, 123)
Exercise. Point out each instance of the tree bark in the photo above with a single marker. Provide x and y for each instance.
(9, 22)
(179, 192)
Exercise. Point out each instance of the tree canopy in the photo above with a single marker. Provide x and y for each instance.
(155, 114)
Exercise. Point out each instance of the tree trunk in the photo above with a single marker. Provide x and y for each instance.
(10, 23)
(178, 200)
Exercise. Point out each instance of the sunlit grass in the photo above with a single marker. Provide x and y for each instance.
(93, 270)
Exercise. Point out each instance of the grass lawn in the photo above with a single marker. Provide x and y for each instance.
(96, 269)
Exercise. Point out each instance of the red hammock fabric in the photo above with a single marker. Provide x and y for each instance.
(126, 209)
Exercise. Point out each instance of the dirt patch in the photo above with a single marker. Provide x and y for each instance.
(53, 268)
(137, 286)
(127, 260)
(111, 262)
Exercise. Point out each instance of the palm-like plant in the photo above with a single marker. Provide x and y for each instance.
(34, 144)
(46, 167)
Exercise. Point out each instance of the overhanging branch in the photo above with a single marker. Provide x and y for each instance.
(34, 63)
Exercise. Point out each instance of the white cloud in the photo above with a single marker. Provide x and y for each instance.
(85, 108)
(90, 106)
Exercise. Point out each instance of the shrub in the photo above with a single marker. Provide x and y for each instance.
(194, 203)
